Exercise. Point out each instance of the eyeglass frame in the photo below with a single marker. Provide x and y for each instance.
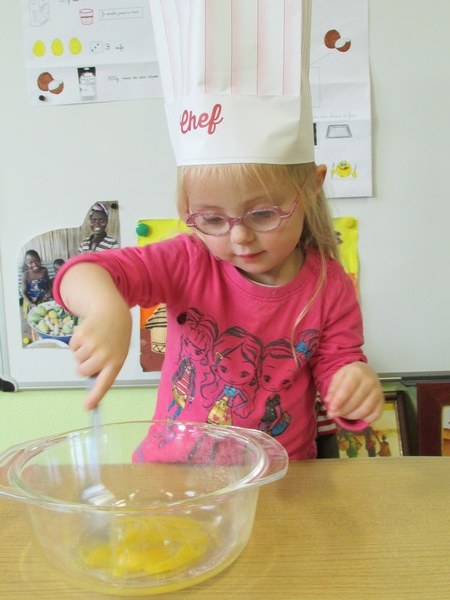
(232, 221)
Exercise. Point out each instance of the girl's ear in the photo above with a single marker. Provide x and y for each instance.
(321, 172)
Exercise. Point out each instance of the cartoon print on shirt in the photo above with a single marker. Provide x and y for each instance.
(279, 371)
(275, 419)
(307, 345)
(239, 367)
(196, 344)
(233, 378)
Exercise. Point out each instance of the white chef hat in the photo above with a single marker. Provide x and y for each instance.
(235, 77)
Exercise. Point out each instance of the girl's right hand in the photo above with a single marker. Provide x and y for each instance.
(100, 345)
(101, 342)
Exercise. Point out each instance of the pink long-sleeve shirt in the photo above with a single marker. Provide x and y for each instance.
(229, 353)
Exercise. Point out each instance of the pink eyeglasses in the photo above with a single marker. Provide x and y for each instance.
(260, 220)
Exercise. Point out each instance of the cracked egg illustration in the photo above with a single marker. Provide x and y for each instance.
(47, 83)
(334, 41)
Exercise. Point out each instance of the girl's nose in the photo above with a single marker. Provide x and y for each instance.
(241, 234)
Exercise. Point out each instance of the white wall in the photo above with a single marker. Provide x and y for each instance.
(55, 161)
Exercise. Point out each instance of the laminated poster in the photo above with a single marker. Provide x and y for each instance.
(45, 324)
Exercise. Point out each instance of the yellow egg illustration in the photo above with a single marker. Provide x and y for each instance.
(39, 48)
(57, 47)
(75, 46)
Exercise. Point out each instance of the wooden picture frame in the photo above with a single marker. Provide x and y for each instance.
(433, 416)
(388, 436)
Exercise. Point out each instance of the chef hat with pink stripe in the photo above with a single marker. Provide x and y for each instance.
(235, 77)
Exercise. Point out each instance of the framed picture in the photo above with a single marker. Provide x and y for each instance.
(433, 415)
(388, 436)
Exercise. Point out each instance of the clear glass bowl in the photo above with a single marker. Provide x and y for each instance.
(182, 509)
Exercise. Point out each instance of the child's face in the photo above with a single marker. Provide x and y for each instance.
(194, 345)
(235, 369)
(278, 374)
(32, 262)
(270, 258)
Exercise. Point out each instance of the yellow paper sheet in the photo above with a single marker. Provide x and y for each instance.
(346, 229)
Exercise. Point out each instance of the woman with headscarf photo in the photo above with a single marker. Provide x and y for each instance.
(99, 239)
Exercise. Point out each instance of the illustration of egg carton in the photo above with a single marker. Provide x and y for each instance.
(39, 12)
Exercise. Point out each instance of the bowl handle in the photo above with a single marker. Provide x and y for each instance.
(7, 460)
(278, 459)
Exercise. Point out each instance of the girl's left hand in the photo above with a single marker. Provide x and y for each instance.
(355, 393)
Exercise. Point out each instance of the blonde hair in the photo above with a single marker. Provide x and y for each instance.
(317, 233)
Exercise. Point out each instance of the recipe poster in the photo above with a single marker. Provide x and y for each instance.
(80, 51)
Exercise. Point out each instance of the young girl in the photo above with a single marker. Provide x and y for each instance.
(36, 284)
(261, 265)
(262, 262)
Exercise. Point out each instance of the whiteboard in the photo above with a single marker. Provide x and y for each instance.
(55, 162)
